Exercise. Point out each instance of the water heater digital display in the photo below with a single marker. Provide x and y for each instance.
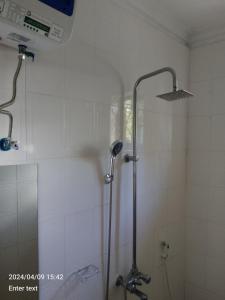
(64, 6)
(38, 24)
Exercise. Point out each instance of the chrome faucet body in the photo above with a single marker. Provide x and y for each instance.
(134, 279)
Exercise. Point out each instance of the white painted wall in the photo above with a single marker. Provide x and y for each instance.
(68, 111)
(205, 236)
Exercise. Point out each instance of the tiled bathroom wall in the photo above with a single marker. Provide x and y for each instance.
(72, 103)
(205, 232)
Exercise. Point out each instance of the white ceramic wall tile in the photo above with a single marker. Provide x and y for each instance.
(196, 237)
(218, 169)
(107, 32)
(83, 179)
(206, 161)
(176, 236)
(197, 203)
(199, 133)
(218, 66)
(79, 118)
(51, 191)
(86, 244)
(218, 126)
(46, 75)
(151, 132)
(158, 290)
(176, 204)
(179, 136)
(85, 27)
(160, 208)
(201, 104)
(195, 293)
(196, 270)
(218, 106)
(175, 267)
(102, 128)
(128, 50)
(51, 246)
(46, 137)
(217, 206)
(199, 168)
(215, 273)
(216, 240)
(177, 167)
(79, 70)
(201, 64)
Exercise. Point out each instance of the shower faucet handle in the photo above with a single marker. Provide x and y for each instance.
(145, 278)
(134, 281)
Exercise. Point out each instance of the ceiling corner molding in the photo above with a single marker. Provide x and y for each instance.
(208, 37)
(163, 24)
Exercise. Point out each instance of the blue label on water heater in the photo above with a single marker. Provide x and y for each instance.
(64, 6)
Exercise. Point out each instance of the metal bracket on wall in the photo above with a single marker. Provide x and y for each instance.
(128, 158)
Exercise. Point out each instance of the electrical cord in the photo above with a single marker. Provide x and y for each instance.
(165, 267)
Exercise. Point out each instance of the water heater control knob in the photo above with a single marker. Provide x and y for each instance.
(15, 145)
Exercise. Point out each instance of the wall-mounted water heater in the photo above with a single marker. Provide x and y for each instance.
(38, 24)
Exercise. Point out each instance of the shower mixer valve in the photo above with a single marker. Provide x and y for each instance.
(6, 144)
(134, 279)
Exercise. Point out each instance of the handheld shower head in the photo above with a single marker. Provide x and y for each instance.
(175, 95)
(116, 148)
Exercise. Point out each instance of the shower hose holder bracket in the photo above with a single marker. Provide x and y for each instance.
(128, 158)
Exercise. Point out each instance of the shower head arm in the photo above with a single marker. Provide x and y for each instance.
(157, 72)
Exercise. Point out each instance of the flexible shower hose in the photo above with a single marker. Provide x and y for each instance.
(109, 242)
(109, 247)
(10, 102)
(167, 278)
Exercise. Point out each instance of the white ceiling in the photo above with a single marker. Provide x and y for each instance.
(197, 15)
(191, 20)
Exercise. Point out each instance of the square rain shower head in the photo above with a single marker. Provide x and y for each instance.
(175, 95)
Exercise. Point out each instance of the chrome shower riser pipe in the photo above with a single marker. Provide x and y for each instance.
(135, 277)
(135, 158)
